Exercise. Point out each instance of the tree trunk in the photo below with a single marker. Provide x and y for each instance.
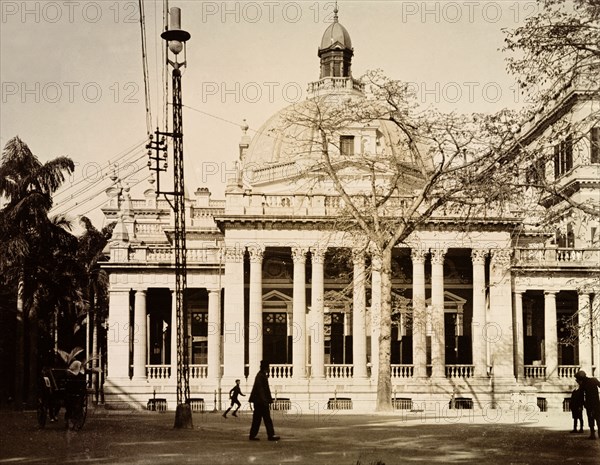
(94, 364)
(33, 358)
(384, 380)
(19, 349)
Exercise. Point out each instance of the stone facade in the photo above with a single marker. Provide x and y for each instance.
(478, 315)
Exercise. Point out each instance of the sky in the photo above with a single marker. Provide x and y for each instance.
(73, 85)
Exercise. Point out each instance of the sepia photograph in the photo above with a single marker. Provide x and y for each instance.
(358, 232)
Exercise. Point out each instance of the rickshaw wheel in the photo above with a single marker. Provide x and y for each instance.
(41, 413)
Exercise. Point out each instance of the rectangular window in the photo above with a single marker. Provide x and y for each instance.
(595, 145)
(536, 172)
(563, 157)
(199, 337)
(568, 153)
(347, 145)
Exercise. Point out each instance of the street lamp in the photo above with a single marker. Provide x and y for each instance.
(176, 39)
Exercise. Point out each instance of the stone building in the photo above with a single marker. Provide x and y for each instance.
(264, 283)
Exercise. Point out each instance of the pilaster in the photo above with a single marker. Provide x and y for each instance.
(299, 313)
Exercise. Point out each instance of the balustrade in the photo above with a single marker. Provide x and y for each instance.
(459, 371)
(402, 371)
(158, 371)
(159, 254)
(338, 371)
(557, 256)
(280, 371)
(198, 371)
(535, 371)
(567, 371)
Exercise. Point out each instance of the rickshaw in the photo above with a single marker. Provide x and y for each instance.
(63, 387)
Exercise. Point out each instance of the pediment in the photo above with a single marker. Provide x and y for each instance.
(452, 302)
(276, 296)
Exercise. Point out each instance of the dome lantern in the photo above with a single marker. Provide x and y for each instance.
(336, 50)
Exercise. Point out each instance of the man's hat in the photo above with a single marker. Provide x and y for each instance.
(264, 365)
(580, 374)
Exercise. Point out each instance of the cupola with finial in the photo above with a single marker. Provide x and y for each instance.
(336, 54)
(336, 50)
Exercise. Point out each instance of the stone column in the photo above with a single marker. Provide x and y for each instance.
(233, 321)
(419, 330)
(595, 311)
(519, 337)
(173, 335)
(375, 314)
(317, 342)
(585, 332)
(359, 330)
(214, 335)
(299, 313)
(255, 317)
(140, 335)
(550, 335)
(478, 325)
(499, 330)
(118, 334)
(438, 341)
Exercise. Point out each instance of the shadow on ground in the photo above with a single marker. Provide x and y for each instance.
(110, 437)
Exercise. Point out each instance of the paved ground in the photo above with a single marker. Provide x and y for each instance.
(110, 437)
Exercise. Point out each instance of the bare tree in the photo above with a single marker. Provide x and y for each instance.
(436, 165)
(555, 57)
(556, 47)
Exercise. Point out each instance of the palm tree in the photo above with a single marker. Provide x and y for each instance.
(95, 287)
(27, 186)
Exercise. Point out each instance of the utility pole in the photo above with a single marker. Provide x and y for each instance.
(176, 39)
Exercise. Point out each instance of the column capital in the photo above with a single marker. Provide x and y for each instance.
(256, 253)
(478, 256)
(418, 255)
(318, 254)
(550, 293)
(358, 256)
(437, 256)
(299, 254)
(140, 290)
(234, 254)
(213, 290)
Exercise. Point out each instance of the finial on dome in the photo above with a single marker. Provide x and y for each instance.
(335, 13)
(244, 127)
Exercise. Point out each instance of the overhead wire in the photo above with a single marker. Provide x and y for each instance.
(165, 69)
(145, 67)
(74, 192)
(93, 196)
(121, 157)
(97, 204)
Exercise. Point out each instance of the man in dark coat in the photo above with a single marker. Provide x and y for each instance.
(576, 406)
(261, 398)
(591, 400)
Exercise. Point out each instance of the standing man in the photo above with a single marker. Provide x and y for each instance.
(591, 400)
(234, 392)
(261, 398)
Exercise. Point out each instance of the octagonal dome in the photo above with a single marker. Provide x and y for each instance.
(336, 33)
